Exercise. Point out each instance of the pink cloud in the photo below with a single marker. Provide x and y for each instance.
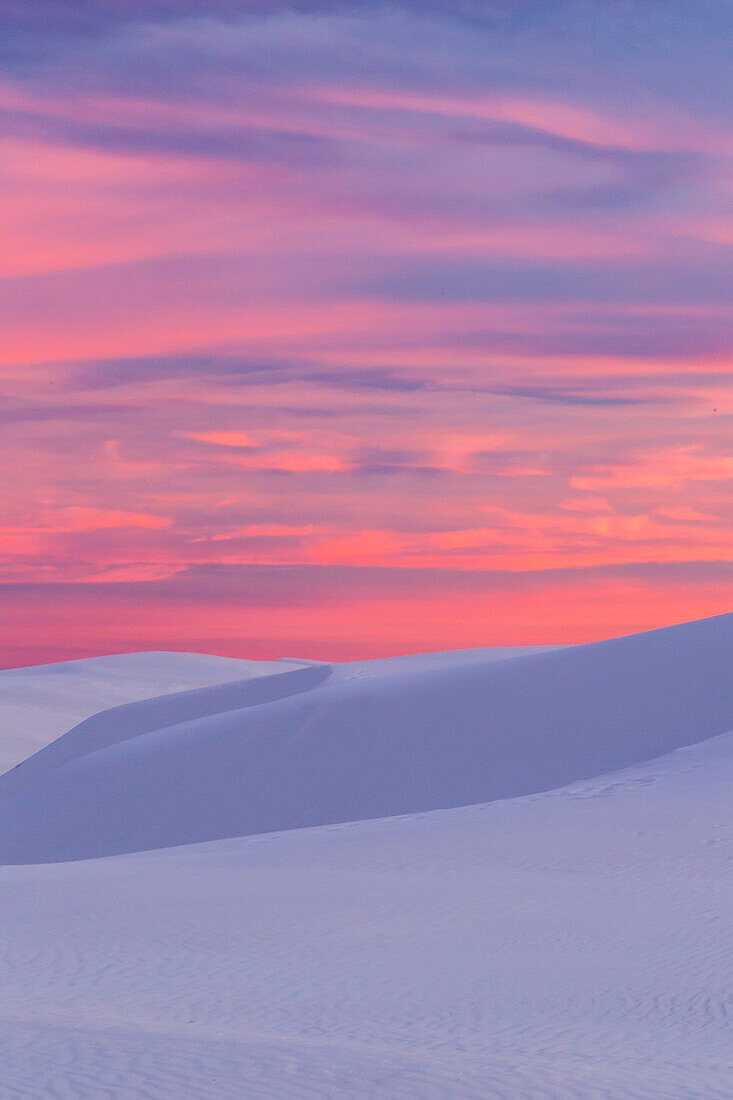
(557, 117)
(360, 328)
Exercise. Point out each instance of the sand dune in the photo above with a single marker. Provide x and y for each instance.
(347, 746)
(548, 912)
(38, 704)
(119, 724)
(576, 944)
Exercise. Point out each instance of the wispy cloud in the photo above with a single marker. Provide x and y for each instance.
(314, 306)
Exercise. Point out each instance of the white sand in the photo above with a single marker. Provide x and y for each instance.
(38, 704)
(574, 943)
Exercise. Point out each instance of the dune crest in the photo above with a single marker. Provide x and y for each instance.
(323, 744)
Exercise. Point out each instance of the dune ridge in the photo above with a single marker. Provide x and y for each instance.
(348, 747)
(41, 702)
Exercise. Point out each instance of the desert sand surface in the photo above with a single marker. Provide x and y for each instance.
(483, 874)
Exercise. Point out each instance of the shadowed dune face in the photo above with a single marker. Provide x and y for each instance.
(39, 704)
(313, 746)
(112, 727)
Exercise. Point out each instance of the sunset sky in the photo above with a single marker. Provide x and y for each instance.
(343, 330)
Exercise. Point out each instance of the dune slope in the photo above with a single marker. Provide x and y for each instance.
(40, 703)
(576, 944)
(118, 724)
(352, 747)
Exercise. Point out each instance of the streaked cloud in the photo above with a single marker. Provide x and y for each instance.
(416, 315)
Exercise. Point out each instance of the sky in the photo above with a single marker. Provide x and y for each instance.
(352, 329)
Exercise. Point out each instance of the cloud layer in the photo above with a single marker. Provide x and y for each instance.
(391, 297)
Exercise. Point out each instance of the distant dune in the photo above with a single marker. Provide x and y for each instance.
(38, 704)
(316, 743)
